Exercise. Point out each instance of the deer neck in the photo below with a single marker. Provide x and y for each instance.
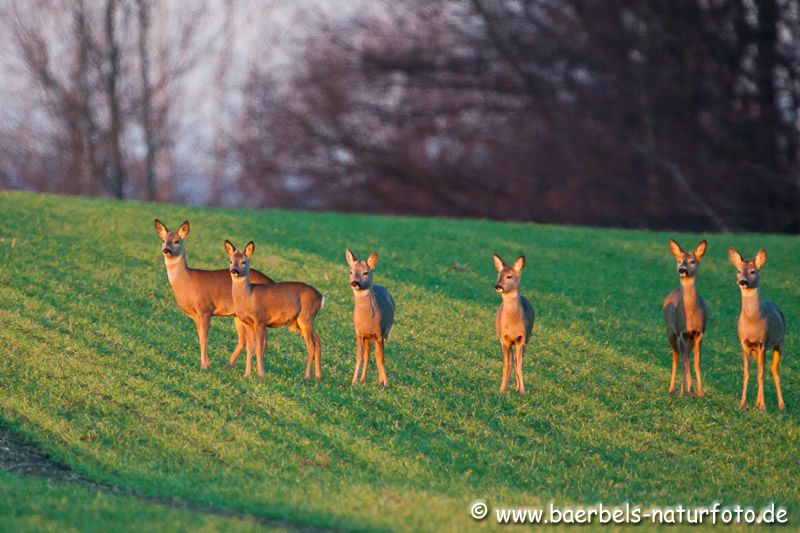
(177, 269)
(751, 303)
(365, 299)
(511, 301)
(689, 292)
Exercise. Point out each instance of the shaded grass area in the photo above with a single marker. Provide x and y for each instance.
(33, 504)
(100, 368)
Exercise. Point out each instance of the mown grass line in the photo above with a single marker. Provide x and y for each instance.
(101, 351)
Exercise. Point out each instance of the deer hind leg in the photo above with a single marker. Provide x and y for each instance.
(518, 367)
(675, 358)
(746, 376)
(317, 362)
(241, 336)
(506, 365)
(698, 342)
(364, 360)
(776, 366)
(760, 397)
(308, 336)
(379, 361)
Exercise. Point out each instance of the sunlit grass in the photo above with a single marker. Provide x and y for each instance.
(101, 369)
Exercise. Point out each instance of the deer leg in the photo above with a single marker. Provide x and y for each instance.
(307, 336)
(698, 342)
(317, 363)
(379, 360)
(518, 367)
(364, 360)
(202, 322)
(241, 335)
(746, 377)
(687, 374)
(359, 350)
(261, 346)
(760, 397)
(675, 358)
(506, 366)
(776, 366)
(248, 364)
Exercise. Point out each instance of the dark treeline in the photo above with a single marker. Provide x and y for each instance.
(659, 114)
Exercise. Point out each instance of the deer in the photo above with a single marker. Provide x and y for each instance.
(514, 319)
(200, 294)
(761, 328)
(289, 303)
(685, 316)
(373, 315)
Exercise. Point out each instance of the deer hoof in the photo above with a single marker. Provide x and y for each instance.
(742, 404)
(781, 406)
(227, 366)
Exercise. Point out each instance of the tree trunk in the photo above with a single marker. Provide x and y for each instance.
(151, 143)
(117, 178)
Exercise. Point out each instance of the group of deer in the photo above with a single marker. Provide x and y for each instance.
(762, 325)
(257, 302)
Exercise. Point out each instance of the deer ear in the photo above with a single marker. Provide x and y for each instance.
(230, 249)
(519, 264)
(700, 251)
(735, 258)
(249, 249)
(499, 264)
(351, 258)
(677, 251)
(183, 231)
(761, 258)
(161, 229)
(372, 260)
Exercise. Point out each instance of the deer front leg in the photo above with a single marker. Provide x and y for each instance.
(309, 338)
(675, 358)
(202, 322)
(760, 360)
(776, 366)
(506, 365)
(698, 342)
(518, 367)
(746, 376)
(261, 346)
(364, 360)
(359, 350)
(686, 381)
(241, 336)
(250, 337)
(379, 360)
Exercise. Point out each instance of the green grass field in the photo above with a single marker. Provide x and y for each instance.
(101, 370)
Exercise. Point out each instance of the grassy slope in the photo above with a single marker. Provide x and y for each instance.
(101, 369)
(31, 504)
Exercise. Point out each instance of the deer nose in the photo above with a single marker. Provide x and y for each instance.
(167, 251)
(355, 284)
(682, 270)
(235, 271)
(743, 283)
(498, 288)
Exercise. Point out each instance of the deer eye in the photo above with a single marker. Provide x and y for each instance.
(752, 272)
(508, 276)
(366, 272)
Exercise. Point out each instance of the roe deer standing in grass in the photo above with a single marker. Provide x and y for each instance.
(373, 314)
(685, 315)
(259, 307)
(200, 294)
(514, 320)
(762, 325)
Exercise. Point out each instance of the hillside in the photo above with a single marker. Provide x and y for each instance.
(100, 369)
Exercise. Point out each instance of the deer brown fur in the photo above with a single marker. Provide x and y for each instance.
(200, 294)
(293, 304)
(373, 314)
(761, 327)
(514, 319)
(685, 316)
